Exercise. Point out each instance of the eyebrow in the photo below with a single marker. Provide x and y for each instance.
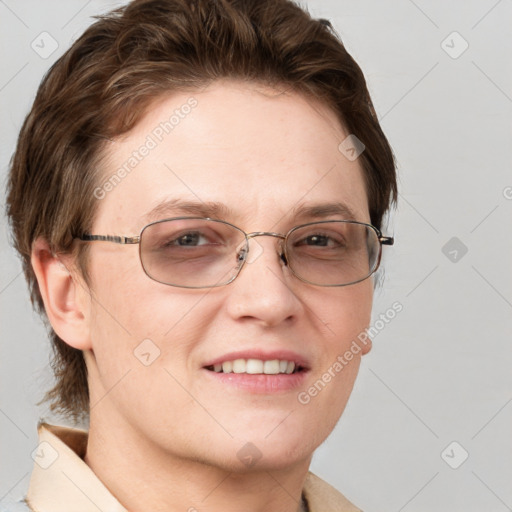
(221, 211)
(323, 210)
(177, 206)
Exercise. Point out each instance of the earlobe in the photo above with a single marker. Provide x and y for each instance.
(62, 295)
(366, 346)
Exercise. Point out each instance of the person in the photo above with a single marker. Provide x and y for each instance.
(197, 196)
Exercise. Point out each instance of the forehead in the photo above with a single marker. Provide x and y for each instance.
(241, 152)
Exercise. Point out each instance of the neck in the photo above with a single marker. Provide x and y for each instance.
(143, 476)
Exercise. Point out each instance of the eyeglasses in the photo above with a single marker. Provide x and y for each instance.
(199, 252)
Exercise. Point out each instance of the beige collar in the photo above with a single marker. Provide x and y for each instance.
(61, 477)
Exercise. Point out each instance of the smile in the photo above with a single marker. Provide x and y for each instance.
(257, 366)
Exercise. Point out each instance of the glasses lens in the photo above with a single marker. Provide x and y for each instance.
(193, 253)
(333, 253)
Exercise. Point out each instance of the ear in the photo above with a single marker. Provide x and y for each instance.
(366, 346)
(65, 297)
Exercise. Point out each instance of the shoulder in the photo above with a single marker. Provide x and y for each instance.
(9, 504)
(323, 497)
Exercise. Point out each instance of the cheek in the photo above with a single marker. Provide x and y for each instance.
(343, 317)
(123, 296)
(346, 313)
(137, 334)
(122, 311)
(132, 315)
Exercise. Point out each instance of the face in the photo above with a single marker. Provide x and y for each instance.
(152, 347)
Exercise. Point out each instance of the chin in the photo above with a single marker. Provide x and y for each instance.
(273, 452)
(251, 459)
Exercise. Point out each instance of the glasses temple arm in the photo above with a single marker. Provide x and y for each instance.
(386, 240)
(110, 238)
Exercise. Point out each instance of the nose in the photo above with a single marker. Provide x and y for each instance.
(264, 288)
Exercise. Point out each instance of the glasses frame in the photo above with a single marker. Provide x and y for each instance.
(129, 240)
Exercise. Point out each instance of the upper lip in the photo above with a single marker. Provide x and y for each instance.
(264, 355)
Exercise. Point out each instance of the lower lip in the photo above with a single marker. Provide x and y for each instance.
(260, 383)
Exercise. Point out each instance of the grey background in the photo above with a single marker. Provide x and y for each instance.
(441, 370)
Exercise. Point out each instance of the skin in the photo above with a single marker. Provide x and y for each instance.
(163, 437)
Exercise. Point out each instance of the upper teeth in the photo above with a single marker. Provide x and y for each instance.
(271, 367)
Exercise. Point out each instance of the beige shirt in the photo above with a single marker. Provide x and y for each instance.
(62, 482)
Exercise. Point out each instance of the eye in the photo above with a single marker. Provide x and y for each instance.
(189, 239)
(320, 240)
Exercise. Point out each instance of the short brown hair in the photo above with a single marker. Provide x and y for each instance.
(102, 86)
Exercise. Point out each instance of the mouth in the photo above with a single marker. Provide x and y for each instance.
(257, 367)
(258, 371)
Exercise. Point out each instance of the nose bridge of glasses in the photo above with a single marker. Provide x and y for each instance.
(265, 233)
(257, 248)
